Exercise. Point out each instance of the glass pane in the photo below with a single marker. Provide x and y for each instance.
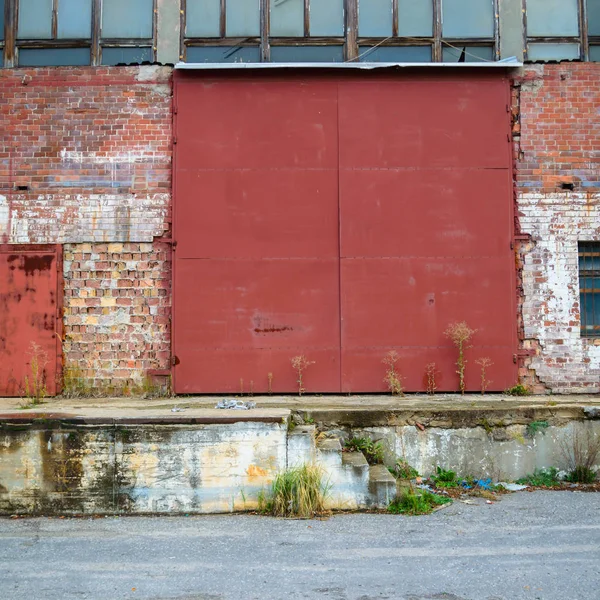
(127, 56)
(327, 17)
(1, 21)
(243, 17)
(127, 19)
(552, 17)
(593, 15)
(74, 18)
(375, 18)
(202, 18)
(35, 19)
(226, 54)
(553, 52)
(468, 54)
(53, 57)
(467, 18)
(307, 54)
(415, 18)
(287, 18)
(595, 53)
(395, 54)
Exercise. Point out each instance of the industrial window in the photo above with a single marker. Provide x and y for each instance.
(77, 32)
(562, 30)
(340, 30)
(589, 288)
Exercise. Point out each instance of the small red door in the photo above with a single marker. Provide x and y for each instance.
(29, 343)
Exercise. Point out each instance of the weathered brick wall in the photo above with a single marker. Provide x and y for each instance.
(85, 161)
(557, 143)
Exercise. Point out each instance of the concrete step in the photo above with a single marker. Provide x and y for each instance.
(349, 482)
(301, 446)
(382, 487)
(329, 454)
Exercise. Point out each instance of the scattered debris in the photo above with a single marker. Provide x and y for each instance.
(236, 404)
(177, 409)
(512, 487)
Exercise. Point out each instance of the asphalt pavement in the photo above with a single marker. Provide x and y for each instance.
(529, 545)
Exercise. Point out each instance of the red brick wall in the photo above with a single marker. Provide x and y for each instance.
(85, 161)
(557, 142)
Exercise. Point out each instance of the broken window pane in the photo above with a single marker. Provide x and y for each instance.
(327, 17)
(593, 15)
(375, 18)
(468, 54)
(552, 17)
(35, 19)
(307, 54)
(127, 19)
(74, 19)
(242, 17)
(53, 57)
(415, 18)
(553, 52)
(467, 18)
(222, 54)
(127, 56)
(395, 54)
(202, 18)
(595, 53)
(287, 18)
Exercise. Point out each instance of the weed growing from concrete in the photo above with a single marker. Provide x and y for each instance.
(241, 387)
(270, 383)
(392, 376)
(300, 363)
(373, 451)
(535, 427)
(518, 390)
(541, 478)
(402, 470)
(297, 492)
(460, 334)
(484, 363)
(35, 382)
(420, 502)
(444, 479)
(580, 451)
(431, 374)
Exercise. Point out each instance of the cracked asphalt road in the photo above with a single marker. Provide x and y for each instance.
(529, 545)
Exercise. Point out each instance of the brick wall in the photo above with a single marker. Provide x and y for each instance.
(557, 144)
(85, 161)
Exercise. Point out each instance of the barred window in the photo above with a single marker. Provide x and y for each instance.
(589, 288)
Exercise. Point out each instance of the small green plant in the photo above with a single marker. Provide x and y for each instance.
(444, 479)
(460, 334)
(392, 376)
(431, 374)
(373, 451)
(412, 502)
(580, 451)
(300, 364)
(547, 477)
(484, 363)
(402, 470)
(486, 425)
(536, 427)
(518, 390)
(297, 492)
(35, 382)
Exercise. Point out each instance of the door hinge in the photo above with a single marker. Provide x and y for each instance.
(174, 360)
(174, 139)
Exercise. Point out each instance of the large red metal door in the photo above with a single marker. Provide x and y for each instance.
(340, 218)
(29, 344)
(256, 268)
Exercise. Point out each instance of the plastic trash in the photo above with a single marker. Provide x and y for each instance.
(235, 404)
(177, 409)
(512, 487)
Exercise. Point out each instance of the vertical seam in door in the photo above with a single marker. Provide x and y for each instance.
(339, 203)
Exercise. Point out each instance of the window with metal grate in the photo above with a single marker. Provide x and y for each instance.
(589, 288)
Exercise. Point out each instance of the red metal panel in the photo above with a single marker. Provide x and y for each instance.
(28, 311)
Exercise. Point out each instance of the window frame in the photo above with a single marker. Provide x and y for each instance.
(95, 43)
(351, 41)
(583, 39)
(585, 249)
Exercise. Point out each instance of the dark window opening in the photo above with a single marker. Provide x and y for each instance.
(589, 288)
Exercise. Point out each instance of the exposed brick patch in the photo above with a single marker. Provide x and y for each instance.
(117, 310)
(556, 130)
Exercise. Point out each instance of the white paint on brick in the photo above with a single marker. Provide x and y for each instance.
(59, 219)
(4, 212)
(556, 222)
